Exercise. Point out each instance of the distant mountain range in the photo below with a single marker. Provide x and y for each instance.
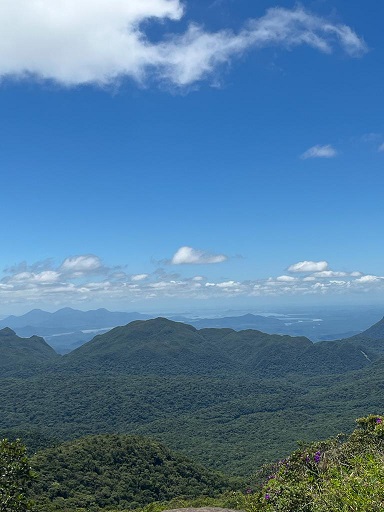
(68, 328)
(69, 318)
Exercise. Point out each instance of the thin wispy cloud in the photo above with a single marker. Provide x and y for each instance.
(381, 148)
(101, 42)
(371, 137)
(318, 151)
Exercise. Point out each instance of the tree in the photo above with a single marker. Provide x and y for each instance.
(15, 476)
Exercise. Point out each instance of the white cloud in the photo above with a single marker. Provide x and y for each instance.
(308, 266)
(228, 284)
(318, 151)
(329, 273)
(81, 264)
(100, 41)
(368, 279)
(139, 277)
(188, 255)
(48, 276)
(286, 279)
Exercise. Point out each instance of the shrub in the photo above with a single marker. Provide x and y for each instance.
(341, 474)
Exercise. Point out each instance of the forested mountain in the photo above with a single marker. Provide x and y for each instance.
(372, 339)
(172, 348)
(20, 355)
(229, 399)
(67, 328)
(118, 471)
(161, 346)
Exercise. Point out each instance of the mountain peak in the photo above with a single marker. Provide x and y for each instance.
(7, 332)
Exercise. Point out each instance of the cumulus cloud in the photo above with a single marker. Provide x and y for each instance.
(318, 151)
(48, 276)
(368, 279)
(101, 41)
(81, 264)
(188, 255)
(228, 284)
(329, 273)
(309, 266)
(139, 277)
(286, 279)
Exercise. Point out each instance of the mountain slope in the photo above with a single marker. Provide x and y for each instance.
(20, 355)
(375, 332)
(161, 346)
(118, 471)
(370, 341)
(151, 346)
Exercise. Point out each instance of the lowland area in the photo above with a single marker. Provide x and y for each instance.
(159, 410)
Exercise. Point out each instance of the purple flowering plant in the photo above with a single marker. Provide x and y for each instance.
(342, 473)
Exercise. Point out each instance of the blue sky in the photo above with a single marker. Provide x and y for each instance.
(163, 154)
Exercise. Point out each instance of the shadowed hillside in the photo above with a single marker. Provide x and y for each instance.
(23, 355)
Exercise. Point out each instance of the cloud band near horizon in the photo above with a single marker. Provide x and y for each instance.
(88, 280)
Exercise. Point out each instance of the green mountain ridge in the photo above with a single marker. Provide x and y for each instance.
(166, 347)
(162, 346)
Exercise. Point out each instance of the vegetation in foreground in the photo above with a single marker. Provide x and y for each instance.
(116, 471)
(341, 474)
(335, 475)
(15, 477)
